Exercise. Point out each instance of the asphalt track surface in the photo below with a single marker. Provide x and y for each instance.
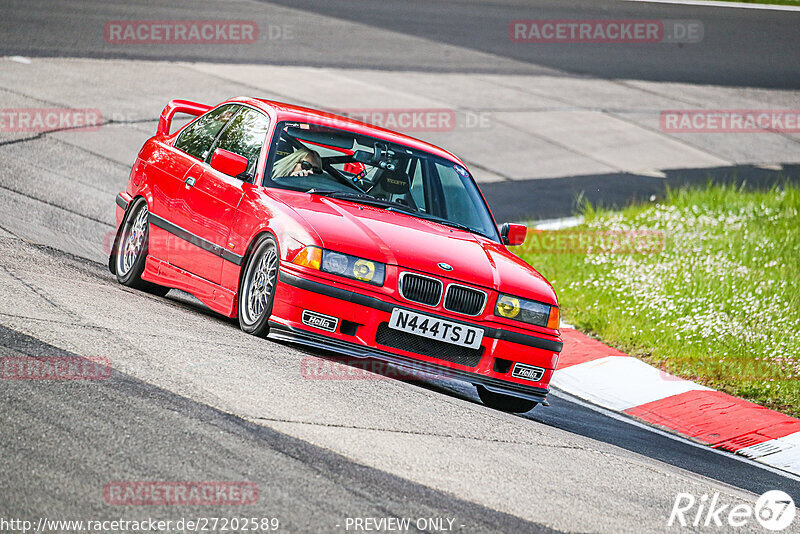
(752, 48)
(308, 489)
(191, 398)
(738, 48)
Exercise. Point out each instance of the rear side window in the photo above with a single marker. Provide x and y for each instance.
(197, 138)
(245, 136)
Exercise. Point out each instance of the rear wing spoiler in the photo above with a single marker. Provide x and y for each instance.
(178, 106)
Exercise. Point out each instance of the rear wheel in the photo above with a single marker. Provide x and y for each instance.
(130, 252)
(257, 288)
(505, 403)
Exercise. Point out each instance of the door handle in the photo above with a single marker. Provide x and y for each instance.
(190, 181)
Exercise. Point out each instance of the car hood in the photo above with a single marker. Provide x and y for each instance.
(399, 239)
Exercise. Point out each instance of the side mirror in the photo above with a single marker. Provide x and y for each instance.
(513, 234)
(229, 163)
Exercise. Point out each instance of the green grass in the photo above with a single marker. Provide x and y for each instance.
(720, 304)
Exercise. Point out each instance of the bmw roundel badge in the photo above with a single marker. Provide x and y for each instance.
(445, 266)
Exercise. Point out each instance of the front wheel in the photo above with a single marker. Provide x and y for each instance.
(257, 288)
(505, 403)
(130, 253)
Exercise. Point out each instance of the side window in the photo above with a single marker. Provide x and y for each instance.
(197, 138)
(245, 136)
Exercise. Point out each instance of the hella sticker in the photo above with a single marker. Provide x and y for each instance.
(318, 320)
(527, 372)
(461, 170)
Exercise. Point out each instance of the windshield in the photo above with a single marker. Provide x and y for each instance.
(358, 168)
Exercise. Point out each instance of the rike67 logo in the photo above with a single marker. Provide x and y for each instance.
(774, 510)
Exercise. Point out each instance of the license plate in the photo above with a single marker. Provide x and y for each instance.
(435, 328)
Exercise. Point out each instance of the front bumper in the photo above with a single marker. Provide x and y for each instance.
(295, 294)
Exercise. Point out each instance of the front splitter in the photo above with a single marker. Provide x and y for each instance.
(281, 332)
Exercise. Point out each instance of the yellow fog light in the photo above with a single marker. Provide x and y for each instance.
(364, 270)
(508, 306)
(527, 311)
(371, 272)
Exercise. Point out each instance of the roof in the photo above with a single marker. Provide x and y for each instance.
(291, 112)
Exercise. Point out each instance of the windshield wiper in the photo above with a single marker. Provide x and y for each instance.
(391, 205)
(422, 215)
(328, 192)
(454, 224)
(345, 195)
(354, 197)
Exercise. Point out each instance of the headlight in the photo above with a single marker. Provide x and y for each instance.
(353, 267)
(527, 311)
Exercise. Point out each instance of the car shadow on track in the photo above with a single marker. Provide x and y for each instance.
(580, 418)
(564, 413)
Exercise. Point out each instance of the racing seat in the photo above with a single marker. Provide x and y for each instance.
(283, 149)
(394, 185)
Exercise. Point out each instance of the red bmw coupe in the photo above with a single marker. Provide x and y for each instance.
(329, 232)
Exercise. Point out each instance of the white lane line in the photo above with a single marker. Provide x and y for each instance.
(620, 382)
(711, 3)
(557, 224)
(18, 59)
(624, 418)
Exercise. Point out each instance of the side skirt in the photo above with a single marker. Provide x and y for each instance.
(216, 297)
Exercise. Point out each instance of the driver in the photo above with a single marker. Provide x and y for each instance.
(301, 162)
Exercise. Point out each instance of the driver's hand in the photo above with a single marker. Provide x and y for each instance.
(302, 172)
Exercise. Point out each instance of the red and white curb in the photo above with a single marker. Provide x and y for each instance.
(592, 371)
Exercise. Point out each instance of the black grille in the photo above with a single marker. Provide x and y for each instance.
(464, 300)
(427, 347)
(420, 289)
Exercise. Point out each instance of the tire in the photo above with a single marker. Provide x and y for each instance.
(130, 251)
(257, 287)
(505, 403)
